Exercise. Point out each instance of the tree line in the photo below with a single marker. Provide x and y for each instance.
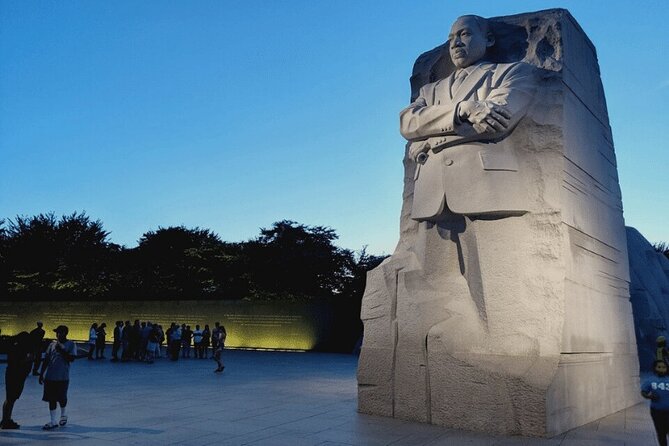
(662, 248)
(45, 257)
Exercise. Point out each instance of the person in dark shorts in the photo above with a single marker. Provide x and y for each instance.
(55, 376)
(19, 362)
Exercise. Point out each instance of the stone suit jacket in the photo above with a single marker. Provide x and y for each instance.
(471, 173)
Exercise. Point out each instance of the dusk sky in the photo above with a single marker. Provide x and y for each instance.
(231, 115)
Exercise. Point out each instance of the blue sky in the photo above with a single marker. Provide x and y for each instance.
(231, 115)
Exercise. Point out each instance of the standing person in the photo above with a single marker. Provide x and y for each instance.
(175, 342)
(206, 338)
(55, 375)
(38, 336)
(186, 336)
(151, 344)
(656, 389)
(144, 333)
(118, 333)
(220, 345)
(100, 341)
(22, 347)
(135, 339)
(197, 341)
(125, 341)
(161, 339)
(92, 338)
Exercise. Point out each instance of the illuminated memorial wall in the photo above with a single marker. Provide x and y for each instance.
(289, 326)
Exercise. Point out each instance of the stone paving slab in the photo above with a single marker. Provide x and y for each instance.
(262, 399)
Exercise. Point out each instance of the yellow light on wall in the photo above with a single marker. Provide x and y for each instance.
(250, 325)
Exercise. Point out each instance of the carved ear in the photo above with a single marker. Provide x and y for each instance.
(490, 39)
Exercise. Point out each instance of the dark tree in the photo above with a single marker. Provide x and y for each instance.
(363, 263)
(294, 261)
(50, 257)
(177, 262)
(662, 248)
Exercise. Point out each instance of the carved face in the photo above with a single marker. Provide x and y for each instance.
(468, 42)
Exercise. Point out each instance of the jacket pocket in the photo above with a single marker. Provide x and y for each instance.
(499, 159)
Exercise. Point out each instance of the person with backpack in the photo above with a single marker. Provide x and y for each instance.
(55, 376)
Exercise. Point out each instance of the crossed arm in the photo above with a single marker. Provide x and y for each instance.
(491, 118)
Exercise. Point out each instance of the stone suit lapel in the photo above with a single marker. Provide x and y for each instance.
(472, 82)
(449, 84)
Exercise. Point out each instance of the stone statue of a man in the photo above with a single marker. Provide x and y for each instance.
(465, 319)
(504, 305)
(479, 102)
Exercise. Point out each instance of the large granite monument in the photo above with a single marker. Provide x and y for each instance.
(649, 293)
(505, 306)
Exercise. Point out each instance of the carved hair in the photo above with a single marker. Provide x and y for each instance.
(480, 21)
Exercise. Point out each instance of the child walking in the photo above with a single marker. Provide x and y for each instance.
(55, 376)
(656, 389)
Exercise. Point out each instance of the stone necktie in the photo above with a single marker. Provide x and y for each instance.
(460, 77)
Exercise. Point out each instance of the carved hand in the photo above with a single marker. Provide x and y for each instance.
(416, 149)
(485, 117)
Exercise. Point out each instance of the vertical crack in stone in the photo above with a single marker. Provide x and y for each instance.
(393, 331)
(428, 388)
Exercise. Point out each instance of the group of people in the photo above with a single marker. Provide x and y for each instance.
(51, 360)
(24, 352)
(143, 341)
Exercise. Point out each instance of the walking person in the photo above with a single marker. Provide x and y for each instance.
(55, 376)
(20, 353)
(92, 338)
(37, 334)
(220, 345)
(214, 338)
(100, 342)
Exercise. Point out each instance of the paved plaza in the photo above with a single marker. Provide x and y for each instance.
(262, 398)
